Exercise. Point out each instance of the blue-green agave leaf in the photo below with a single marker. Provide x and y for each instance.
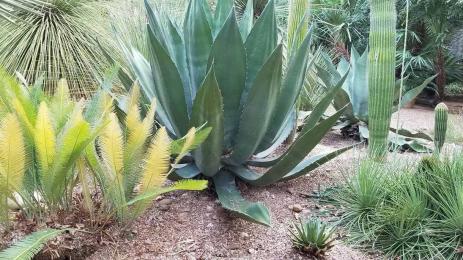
(231, 199)
(198, 42)
(258, 109)
(208, 108)
(229, 59)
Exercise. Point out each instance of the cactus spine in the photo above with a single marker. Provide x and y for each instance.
(381, 74)
(440, 126)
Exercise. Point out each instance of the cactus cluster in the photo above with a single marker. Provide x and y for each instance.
(440, 126)
(381, 74)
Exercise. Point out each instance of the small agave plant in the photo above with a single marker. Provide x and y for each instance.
(312, 237)
(228, 74)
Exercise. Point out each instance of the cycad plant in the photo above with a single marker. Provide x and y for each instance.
(28, 247)
(229, 75)
(129, 164)
(57, 39)
(55, 137)
(12, 162)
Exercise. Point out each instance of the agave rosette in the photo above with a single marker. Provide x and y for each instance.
(228, 74)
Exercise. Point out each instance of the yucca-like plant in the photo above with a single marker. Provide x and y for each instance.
(131, 166)
(29, 246)
(229, 75)
(381, 74)
(440, 126)
(57, 39)
(7, 7)
(312, 237)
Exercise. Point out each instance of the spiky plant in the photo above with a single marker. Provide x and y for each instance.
(29, 246)
(60, 39)
(56, 134)
(7, 7)
(312, 237)
(381, 74)
(132, 167)
(212, 73)
(12, 162)
(440, 126)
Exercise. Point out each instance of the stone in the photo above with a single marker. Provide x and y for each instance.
(244, 235)
(296, 208)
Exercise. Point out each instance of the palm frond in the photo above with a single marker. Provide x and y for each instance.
(111, 144)
(31, 245)
(157, 162)
(12, 153)
(45, 139)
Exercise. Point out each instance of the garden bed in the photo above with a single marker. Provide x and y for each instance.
(192, 225)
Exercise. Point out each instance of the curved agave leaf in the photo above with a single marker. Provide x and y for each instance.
(300, 169)
(165, 73)
(228, 57)
(222, 12)
(258, 111)
(289, 91)
(188, 171)
(198, 42)
(260, 44)
(297, 151)
(231, 199)
(247, 20)
(208, 108)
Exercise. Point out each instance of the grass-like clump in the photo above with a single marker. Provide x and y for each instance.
(407, 211)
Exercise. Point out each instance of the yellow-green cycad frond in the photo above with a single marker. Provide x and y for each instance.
(12, 153)
(148, 121)
(73, 140)
(45, 140)
(157, 162)
(134, 96)
(61, 104)
(111, 144)
(189, 142)
(136, 132)
(24, 117)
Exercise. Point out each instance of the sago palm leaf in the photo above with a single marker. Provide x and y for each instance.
(156, 162)
(29, 246)
(45, 140)
(111, 144)
(12, 153)
(61, 105)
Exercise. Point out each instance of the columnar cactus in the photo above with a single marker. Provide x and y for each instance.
(440, 126)
(381, 74)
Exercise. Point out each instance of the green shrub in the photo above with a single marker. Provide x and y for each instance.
(414, 212)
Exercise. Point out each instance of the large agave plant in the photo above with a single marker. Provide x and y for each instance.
(228, 74)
